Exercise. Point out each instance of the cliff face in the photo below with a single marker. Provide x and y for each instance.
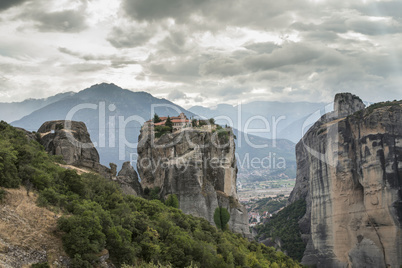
(128, 180)
(197, 166)
(350, 173)
(71, 140)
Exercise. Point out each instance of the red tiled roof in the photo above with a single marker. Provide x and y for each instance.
(180, 121)
(174, 119)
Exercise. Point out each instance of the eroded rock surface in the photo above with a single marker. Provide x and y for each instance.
(197, 166)
(71, 140)
(128, 180)
(350, 173)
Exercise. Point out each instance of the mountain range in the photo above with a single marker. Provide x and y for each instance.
(114, 117)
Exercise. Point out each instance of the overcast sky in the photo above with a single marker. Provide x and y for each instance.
(203, 52)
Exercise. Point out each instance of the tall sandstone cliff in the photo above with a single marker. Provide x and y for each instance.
(197, 166)
(349, 170)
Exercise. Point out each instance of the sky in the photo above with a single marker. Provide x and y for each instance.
(203, 52)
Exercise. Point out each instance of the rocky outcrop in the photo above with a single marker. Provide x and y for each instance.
(199, 166)
(71, 140)
(349, 170)
(346, 104)
(128, 180)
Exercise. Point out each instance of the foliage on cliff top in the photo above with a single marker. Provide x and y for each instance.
(370, 109)
(375, 106)
(284, 225)
(134, 230)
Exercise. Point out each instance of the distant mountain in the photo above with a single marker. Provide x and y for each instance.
(114, 117)
(288, 117)
(21, 109)
(261, 159)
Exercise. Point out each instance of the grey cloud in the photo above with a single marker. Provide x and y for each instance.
(231, 92)
(213, 15)
(129, 37)
(115, 61)
(381, 8)
(374, 27)
(289, 54)
(152, 10)
(183, 68)
(85, 67)
(86, 57)
(199, 99)
(6, 4)
(175, 42)
(66, 20)
(176, 95)
(120, 63)
(270, 75)
(266, 47)
(221, 67)
(342, 24)
(321, 36)
(59, 21)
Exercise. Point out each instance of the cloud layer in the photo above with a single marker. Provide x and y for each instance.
(203, 52)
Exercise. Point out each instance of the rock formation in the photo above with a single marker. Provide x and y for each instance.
(349, 170)
(198, 166)
(71, 140)
(128, 180)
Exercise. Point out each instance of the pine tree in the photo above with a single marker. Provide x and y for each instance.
(221, 218)
(156, 119)
(169, 123)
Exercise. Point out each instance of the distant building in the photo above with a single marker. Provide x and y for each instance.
(254, 215)
(178, 122)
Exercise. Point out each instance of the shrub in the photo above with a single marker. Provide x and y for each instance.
(221, 218)
(161, 130)
(172, 201)
(3, 194)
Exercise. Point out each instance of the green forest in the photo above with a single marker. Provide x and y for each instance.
(137, 232)
(284, 225)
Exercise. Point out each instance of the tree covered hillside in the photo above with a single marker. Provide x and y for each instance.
(134, 230)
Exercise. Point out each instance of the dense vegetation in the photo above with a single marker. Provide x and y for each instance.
(284, 225)
(370, 109)
(374, 106)
(135, 231)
